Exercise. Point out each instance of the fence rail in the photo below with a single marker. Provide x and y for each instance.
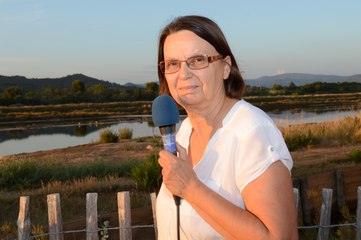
(124, 215)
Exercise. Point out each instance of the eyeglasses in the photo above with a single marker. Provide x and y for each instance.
(195, 62)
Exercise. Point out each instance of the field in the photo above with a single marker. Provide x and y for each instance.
(315, 148)
(307, 161)
(28, 115)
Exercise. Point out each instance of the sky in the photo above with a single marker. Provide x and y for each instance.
(116, 40)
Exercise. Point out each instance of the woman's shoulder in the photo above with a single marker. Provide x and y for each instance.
(245, 115)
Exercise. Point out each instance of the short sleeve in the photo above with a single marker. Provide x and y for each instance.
(259, 148)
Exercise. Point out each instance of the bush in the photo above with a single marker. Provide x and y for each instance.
(148, 175)
(108, 136)
(301, 140)
(125, 133)
(355, 155)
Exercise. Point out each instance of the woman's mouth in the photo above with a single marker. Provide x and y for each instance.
(188, 88)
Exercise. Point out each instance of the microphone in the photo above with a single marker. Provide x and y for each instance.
(165, 115)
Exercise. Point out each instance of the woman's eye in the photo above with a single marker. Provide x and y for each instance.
(172, 63)
(197, 60)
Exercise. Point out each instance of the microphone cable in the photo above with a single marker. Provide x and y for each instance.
(177, 203)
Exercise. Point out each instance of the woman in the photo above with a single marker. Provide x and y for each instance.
(233, 167)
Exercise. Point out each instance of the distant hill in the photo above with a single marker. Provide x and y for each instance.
(134, 85)
(300, 79)
(64, 82)
(33, 84)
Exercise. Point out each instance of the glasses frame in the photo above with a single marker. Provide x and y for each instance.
(210, 59)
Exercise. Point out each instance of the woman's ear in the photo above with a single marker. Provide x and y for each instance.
(227, 67)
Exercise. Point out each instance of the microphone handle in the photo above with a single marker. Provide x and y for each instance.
(176, 198)
(169, 143)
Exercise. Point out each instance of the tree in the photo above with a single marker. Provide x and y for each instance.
(12, 93)
(151, 90)
(292, 86)
(78, 86)
(277, 89)
(97, 89)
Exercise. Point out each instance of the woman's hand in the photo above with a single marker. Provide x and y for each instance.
(178, 174)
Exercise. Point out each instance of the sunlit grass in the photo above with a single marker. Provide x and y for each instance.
(345, 131)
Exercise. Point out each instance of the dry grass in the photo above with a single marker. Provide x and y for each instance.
(336, 133)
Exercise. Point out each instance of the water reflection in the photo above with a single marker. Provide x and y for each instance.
(287, 118)
(32, 139)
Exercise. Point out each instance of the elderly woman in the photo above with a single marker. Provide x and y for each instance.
(232, 170)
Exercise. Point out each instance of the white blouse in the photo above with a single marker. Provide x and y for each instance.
(240, 151)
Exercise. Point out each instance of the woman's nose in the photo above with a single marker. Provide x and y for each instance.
(185, 71)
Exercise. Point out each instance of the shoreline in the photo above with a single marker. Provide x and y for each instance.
(140, 150)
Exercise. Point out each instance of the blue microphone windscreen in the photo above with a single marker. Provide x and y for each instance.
(164, 111)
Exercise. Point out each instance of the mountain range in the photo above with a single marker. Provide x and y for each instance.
(298, 79)
(33, 84)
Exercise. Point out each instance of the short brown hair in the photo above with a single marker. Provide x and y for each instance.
(208, 30)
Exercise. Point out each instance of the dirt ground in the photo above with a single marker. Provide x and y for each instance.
(322, 154)
(125, 149)
(135, 149)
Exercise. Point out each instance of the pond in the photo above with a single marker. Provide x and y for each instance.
(13, 141)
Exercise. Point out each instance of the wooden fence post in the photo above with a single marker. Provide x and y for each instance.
(153, 199)
(91, 216)
(54, 217)
(124, 213)
(358, 216)
(24, 218)
(340, 188)
(325, 219)
(306, 214)
(296, 193)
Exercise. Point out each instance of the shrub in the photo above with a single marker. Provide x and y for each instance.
(355, 155)
(125, 133)
(108, 136)
(148, 175)
(300, 140)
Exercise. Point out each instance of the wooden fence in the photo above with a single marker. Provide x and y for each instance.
(343, 181)
(124, 215)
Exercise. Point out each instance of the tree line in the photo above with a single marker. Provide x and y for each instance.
(311, 88)
(79, 92)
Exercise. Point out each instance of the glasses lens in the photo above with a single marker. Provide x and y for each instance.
(198, 62)
(171, 66)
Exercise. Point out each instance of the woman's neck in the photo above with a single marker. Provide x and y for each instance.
(207, 120)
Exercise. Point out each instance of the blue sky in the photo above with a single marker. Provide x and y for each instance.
(117, 41)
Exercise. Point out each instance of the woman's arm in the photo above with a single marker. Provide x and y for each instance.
(270, 213)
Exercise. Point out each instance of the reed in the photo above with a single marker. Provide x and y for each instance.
(108, 136)
(345, 131)
(125, 133)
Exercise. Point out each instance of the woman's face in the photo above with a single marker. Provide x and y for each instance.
(194, 87)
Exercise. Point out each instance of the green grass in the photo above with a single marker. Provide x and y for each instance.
(19, 175)
(148, 175)
(355, 156)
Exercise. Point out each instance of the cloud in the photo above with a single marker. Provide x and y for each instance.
(280, 71)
